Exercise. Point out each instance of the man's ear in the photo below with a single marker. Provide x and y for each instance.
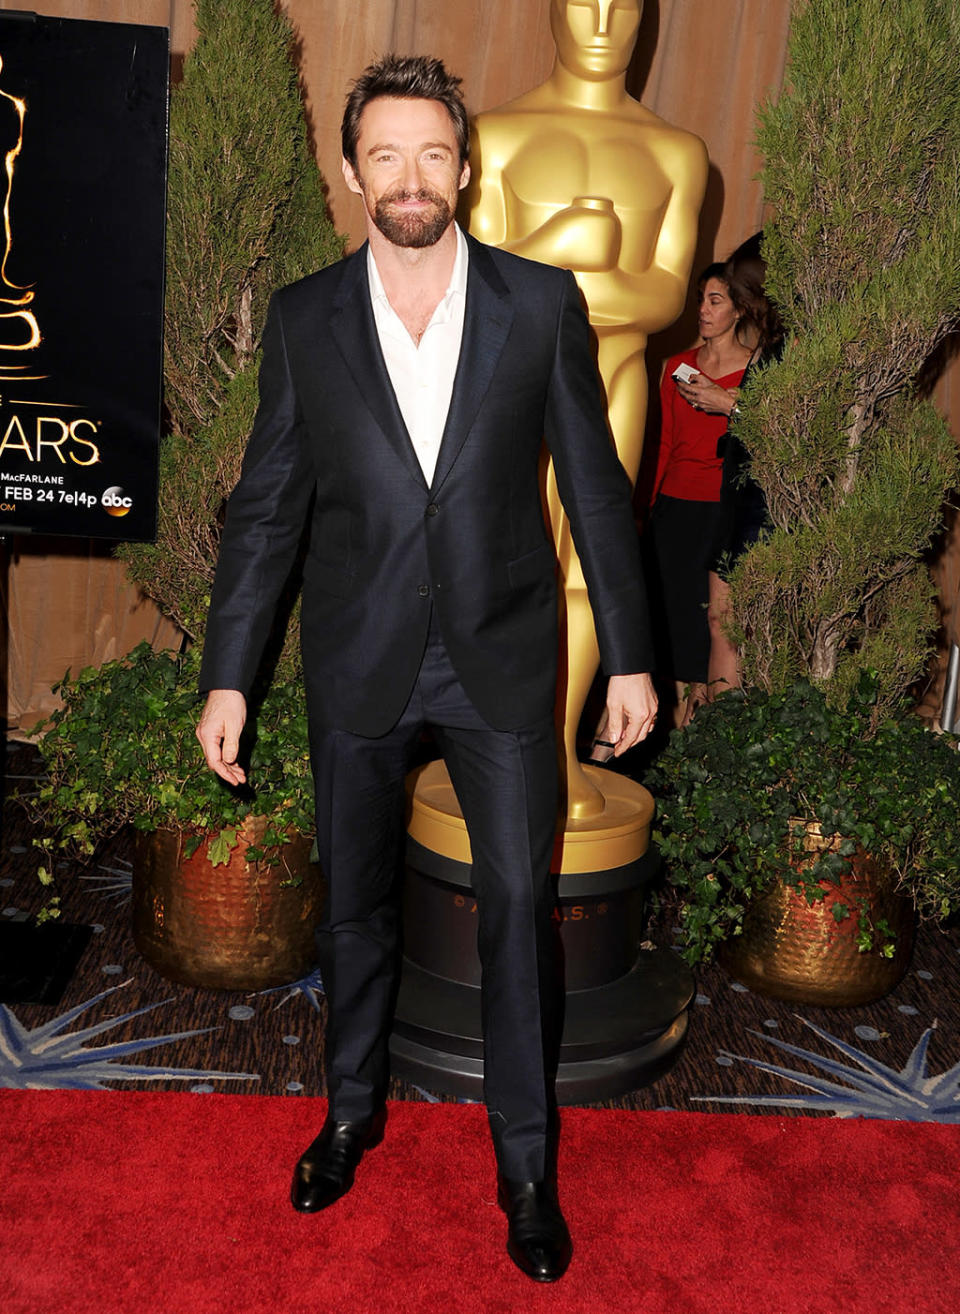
(464, 176)
(350, 175)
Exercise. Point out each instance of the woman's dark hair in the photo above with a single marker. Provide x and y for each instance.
(720, 270)
(716, 270)
(405, 77)
(744, 274)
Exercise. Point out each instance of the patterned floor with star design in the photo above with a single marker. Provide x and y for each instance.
(119, 1025)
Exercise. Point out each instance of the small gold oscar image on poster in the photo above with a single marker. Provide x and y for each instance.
(83, 139)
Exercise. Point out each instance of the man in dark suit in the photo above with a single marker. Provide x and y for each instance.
(404, 396)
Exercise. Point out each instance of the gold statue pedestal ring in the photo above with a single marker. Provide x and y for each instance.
(626, 1006)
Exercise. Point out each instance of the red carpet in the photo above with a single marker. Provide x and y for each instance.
(176, 1204)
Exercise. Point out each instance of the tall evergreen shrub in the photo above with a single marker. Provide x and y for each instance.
(246, 213)
(862, 177)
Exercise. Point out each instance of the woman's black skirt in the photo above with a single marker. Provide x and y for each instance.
(678, 544)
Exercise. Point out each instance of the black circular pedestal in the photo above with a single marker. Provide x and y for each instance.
(625, 1015)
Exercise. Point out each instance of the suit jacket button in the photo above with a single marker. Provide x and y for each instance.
(424, 590)
(432, 509)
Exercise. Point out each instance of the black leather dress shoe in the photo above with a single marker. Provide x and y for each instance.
(537, 1240)
(326, 1169)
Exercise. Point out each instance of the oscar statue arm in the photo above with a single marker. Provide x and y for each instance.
(653, 297)
(483, 206)
(590, 237)
(663, 286)
(583, 236)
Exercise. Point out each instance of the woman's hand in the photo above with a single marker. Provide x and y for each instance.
(705, 395)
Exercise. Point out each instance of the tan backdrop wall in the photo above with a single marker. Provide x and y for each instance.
(702, 66)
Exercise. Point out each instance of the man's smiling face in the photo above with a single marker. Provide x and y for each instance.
(408, 169)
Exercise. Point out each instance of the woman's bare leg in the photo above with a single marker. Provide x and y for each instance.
(723, 670)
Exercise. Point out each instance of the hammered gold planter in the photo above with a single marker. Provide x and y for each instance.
(797, 951)
(242, 926)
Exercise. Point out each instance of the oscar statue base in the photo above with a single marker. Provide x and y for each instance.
(626, 1006)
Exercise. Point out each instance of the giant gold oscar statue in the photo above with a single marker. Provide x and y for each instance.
(574, 173)
(578, 173)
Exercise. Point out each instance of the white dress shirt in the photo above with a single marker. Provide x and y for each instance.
(422, 376)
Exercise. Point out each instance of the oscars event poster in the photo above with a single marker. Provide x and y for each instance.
(83, 137)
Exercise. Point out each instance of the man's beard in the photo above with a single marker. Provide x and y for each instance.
(413, 229)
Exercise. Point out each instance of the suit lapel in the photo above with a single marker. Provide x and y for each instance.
(355, 332)
(487, 318)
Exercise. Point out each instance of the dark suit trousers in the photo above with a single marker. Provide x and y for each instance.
(506, 783)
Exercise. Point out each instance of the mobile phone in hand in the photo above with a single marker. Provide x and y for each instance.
(684, 372)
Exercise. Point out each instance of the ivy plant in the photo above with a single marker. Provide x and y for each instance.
(122, 751)
(734, 785)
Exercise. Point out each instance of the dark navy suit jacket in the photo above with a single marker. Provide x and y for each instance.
(384, 547)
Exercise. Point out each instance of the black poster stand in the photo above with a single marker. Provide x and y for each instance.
(83, 138)
(83, 142)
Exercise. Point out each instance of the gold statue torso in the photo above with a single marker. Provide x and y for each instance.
(603, 229)
(579, 174)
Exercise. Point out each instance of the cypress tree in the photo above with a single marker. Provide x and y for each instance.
(246, 213)
(862, 176)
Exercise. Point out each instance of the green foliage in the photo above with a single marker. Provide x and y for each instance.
(246, 213)
(197, 474)
(751, 763)
(862, 174)
(122, 751)
(246, 203)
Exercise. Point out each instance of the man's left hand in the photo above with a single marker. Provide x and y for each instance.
(631, 711)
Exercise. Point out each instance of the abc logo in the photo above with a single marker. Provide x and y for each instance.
(115, 502)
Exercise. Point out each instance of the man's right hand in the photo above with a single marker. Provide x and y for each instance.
(219, 732)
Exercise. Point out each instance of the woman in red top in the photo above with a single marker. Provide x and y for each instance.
(686, 490)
